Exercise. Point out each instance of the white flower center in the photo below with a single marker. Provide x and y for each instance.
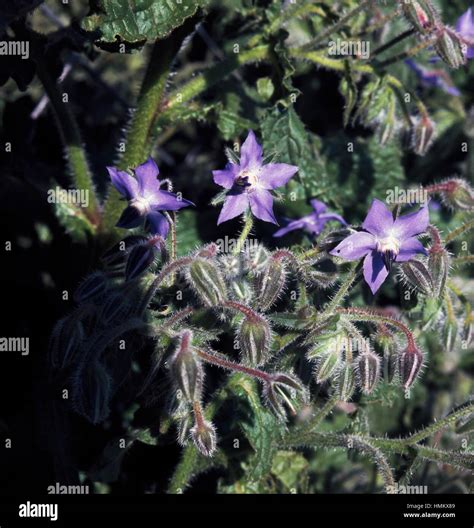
(142, 204)
(389, 244)
(248, 177)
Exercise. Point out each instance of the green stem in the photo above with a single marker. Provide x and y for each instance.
(315, 420)
(393, 42)
(244, 234)
(337, 26)
(343, 291)
(459, 231)
(149, 105)
(406, 54)
(71, 137)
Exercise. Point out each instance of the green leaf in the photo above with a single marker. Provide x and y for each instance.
(139, 20)
(288, 467)
(74, 221)
(186, 232)
(285, 136)
(263, 431)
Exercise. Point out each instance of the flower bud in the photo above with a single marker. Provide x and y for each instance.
(115, 256)
(185, 423)
(345, 382)
(141, 257)
(186, 369)
(457, 194)
(207, 281)
(92, 287)
(450, 48)
(66, 340)
(115, 308)
(271, 283)
(423, 134)
(421, 14)
(410, 363)
(438, 266)
(328, 364)
(284, 390)
(204, 438)
(254, 336)
(417, 275)
(450, 333)
(389, 347)
(368, 369)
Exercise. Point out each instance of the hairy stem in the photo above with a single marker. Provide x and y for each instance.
(244, 234)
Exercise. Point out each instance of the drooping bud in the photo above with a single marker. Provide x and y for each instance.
(140, 259)
(346, 382)
(115, 256)
(388, 345)
(254, 338)
(456, 193)
(409, 365)
(417, 275)
(186, 369)
(423, 134)
(270, 283)
(450, 333)
(65, 343)
(438, 266)
(421, 14)
(115, 308)
(368, 369)
(334, 238)
(450, 47)
(284, 391)
(207, 281)
(91, 288)
(204, 437)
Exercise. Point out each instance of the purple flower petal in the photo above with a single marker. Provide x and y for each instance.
(375, 271)
(167, 201)
(292, 226)
(159, 224)
(326, 217)
(130, 218)
(261, 204)
(409, 248)
(146, 174)
(465, 23)
(412, 224)
(251, 152)
(125, 184)
(225, 178)
(355, 246)
(276, 175)
(379, 219)
(234, 205)
(318, 206)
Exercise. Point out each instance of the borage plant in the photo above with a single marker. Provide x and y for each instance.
(258, 358)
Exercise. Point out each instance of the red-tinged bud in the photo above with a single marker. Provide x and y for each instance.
(368, 370)
(186, 369)
(423, 134)
(455, 193)
(451, 48)
(270, 283)
(421, 14)
(254, 337)
(284, 392)
(409, 365)
(416, 274)
(91, 288)
(204, 438)
(346, 382)
(207, 281)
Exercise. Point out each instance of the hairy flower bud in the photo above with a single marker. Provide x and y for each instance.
(421, 14)
(271, 283)
(416, 274)
(115, 256)
(345, 382)
(284, 391)
(423, 134)
(450, 333)
(115, 307)
(328, 364)
(186, 368)
(92, 287)
(438, 266)
(368, 370)
(204, 437)
(66, 340)
(456, 193)
(206, 279)
(254, 337)
(184, 424)
(390, 355)
(409, 365)
(450, 48)
(140, 259)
